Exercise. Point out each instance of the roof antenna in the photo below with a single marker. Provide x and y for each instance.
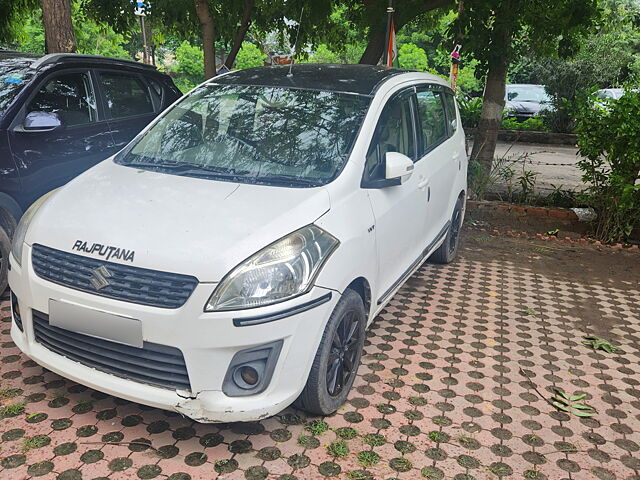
(295, 45)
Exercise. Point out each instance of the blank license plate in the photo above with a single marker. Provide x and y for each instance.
(95, 323)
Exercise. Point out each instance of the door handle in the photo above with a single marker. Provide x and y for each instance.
(423, 183)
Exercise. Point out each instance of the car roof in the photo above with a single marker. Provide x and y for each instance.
(38, 62)
(56, 58)
(357, 79)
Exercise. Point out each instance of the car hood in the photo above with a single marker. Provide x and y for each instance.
(177, 224)
(525, 107)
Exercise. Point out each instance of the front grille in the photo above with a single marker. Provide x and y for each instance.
(127, 283)
(154, 364)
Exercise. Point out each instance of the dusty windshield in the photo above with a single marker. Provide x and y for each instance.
(247, 134)
(14, 75)
(528, 93)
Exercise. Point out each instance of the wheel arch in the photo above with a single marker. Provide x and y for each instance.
(10, 213)
(361, 286)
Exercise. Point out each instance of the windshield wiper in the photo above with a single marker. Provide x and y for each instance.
(185, 168)
(290, 180)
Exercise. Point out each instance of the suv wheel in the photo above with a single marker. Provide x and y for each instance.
(336, 363)
(447, 252)
(5, 249)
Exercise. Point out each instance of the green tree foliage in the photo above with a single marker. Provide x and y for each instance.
(14, 14)
(322, 54)
(609, 141)
(496, 31)
(249, 56)
(609, 57)
(93, 38)
(412, 57)
(189, 66)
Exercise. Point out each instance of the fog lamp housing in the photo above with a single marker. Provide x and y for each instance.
(250, 370)
(15, 311)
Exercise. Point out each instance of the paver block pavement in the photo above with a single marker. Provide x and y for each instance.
(454, 384)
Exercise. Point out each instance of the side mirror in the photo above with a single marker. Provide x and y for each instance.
(397, 166)
(41, 121)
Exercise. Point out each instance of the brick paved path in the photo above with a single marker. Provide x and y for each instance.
(447, 391)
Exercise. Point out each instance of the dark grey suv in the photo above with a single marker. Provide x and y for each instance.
(61, 114)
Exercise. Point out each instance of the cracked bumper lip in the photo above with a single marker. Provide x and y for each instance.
(208, 342)
(205, 406)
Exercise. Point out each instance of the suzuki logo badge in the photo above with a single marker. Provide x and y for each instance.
(99, 277)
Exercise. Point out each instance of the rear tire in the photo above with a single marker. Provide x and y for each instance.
(448, 251)
(336, 362)
(5, 250)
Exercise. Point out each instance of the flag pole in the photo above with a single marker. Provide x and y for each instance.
(385, 57)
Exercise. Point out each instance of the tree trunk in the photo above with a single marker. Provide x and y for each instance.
(58, 28)
(241, 33)
(375, 47)
(378, 37)
(208, 37)
(484, 143)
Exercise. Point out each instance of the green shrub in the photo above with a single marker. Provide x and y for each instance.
(470, 109)
(534, 124)
(609, 141)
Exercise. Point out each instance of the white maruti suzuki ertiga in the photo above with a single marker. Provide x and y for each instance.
(229, 259)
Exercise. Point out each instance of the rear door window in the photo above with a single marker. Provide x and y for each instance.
(432, 118)
(69, 95)
(126, 95)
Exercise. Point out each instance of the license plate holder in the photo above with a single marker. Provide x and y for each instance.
(95, 323)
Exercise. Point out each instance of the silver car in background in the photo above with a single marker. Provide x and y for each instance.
(524, 101)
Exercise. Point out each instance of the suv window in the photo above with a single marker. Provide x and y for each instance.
(394, 133)
(433, 122)
(70, 96)
(125, 94)
(450, 107)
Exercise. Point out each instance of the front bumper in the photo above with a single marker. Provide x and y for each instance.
(208, 342)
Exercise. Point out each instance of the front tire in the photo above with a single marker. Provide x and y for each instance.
(336, 362)
(448, 251)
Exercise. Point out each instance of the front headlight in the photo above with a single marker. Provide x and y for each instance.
(23, 226)
(282, 270)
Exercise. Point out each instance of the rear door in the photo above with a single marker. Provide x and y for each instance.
(48, 158)
(439, 156)
(129, 103)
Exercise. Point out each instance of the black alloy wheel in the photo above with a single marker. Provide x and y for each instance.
(341, 367)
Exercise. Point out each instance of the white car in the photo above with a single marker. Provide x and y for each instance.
(229, 259)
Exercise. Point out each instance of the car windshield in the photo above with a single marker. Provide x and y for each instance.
(14, 75)
(527, 93)
(251, 134)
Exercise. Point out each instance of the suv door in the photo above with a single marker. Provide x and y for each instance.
(48, 158)
(129, 104)
(439, 156)
(400, 210)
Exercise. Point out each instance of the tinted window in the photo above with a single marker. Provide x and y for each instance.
(394, 133)
(450, 107)
(433, 122)
(126, 95)
(70, 96)
(267, 135)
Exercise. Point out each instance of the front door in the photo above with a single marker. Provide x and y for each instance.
(47, 159)
(128, 103)
(399, 210)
